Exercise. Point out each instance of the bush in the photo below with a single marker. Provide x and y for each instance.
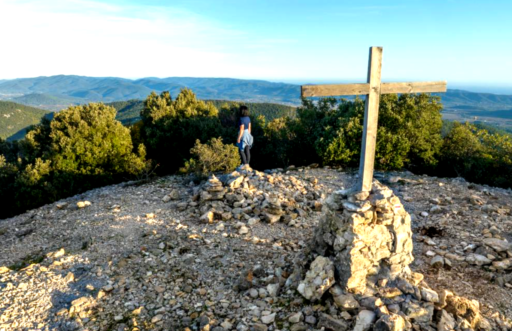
(329, 131)
(171, 127)
(81, 148)
(212, 157)
(477, 155)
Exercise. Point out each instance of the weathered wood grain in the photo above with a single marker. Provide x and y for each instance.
(334, 90)
(413, 87)
(371, 118)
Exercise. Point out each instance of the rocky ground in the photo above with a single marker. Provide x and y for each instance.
(172, 254)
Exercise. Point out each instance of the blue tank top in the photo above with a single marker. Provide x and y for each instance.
(245, 122)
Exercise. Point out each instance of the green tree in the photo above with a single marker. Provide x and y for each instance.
(477, 155)
(213, 156)
(81, 148)
(88, 140)
(171, 127)
(408, 134)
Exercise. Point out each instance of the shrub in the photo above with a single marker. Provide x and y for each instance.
(171, 127)
(81, 148)
(408, 134)
(477, 155)
(212, 157)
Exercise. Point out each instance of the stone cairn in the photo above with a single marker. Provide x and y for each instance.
(272, 209)
(214, 190)
(252, 196)
(360, 258)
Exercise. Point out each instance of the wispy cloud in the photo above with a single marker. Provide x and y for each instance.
(97, 39)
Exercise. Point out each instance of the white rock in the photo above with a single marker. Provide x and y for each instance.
(253, 220)
(273, 289)
(296, 318)
(430, 254)
(157, 318)
(268, 319)
(429, 295)
(364, 320)
(477, 259)
(497, 244)
(437, 261)
(243, 230)
(253, 293)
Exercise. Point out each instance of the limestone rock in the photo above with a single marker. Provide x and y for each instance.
(268, 319)
(346, 301)
(61, 205)
(330, 323)
(273, 289)
(83, 204)
(392, 322)
(437, 261)
(296, 318)
(207, 217)
(477, 259)
(503, 265)
(446, 321)
(497, 244)
(429, 295)
(364, 320)
(319, 279)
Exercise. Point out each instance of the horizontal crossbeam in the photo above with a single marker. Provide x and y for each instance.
(420, 87)
(334, 90)
(361, 89)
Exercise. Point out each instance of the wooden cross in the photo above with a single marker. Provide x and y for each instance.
(373, 89)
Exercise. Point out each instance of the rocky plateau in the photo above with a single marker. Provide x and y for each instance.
(258, 251)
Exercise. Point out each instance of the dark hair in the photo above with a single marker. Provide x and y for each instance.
(244, 111)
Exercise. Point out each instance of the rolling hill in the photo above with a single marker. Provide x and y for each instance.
(14, 119)
(109, 89)
(64, 90)
(58, 92)
(47, 101)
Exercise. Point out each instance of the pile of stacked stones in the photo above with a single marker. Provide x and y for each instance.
(254, 196)
(359, 261)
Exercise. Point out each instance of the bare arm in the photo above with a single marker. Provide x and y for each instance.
(249, 127)
(240, 133)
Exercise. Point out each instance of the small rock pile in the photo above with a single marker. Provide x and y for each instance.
(362, 249)
(254, 196)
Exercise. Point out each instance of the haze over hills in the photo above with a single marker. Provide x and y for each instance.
(85, 89)
(58, 92)
(55, 91)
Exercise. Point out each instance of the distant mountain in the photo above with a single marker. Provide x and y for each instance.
(109, 89)
(47, 101)
(15, 118)
(58, 92)
(459, 99)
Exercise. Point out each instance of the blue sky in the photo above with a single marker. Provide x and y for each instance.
(464, 42)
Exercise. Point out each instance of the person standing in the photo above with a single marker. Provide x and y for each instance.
(245, 139)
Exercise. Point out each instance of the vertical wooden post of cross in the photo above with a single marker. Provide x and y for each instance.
(371, 119)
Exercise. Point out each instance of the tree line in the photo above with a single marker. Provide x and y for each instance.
(85, 146)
